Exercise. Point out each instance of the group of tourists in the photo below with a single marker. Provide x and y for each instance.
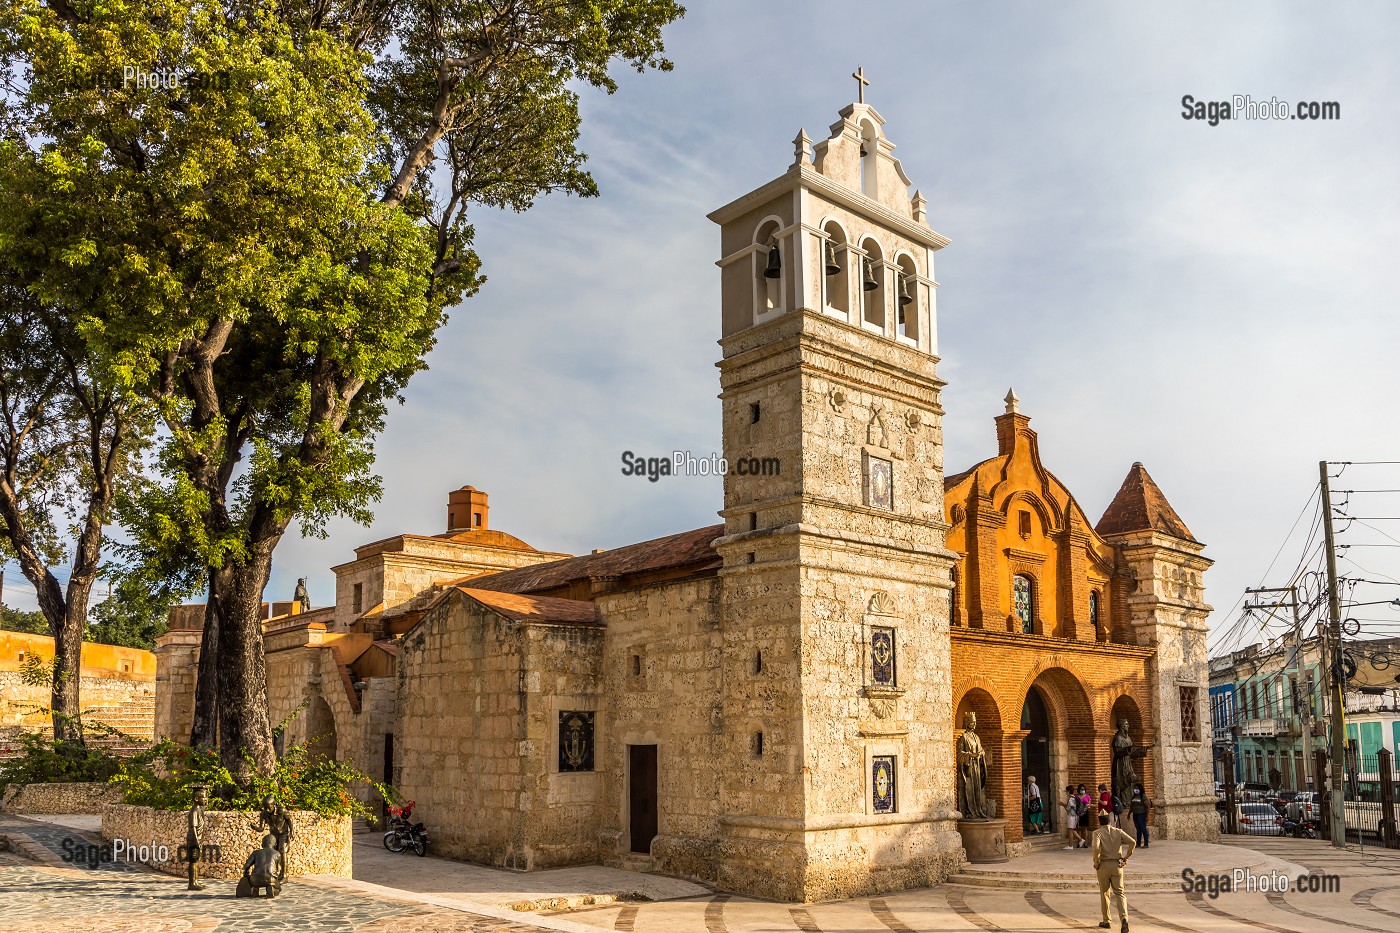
(1080, 808)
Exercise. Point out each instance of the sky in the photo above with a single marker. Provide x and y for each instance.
(1217, 302)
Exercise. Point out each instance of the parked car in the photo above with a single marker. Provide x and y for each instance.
(1287, 795)
(1256, 819)
(1252, 790)
(1305, 805)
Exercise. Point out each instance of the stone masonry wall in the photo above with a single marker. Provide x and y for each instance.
(319, 845)
(60, 798)
(476, 742)
(669, 696)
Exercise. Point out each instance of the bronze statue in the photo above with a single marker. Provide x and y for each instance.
(1124, 751)
(262, 871)
(972, 774)
(301, 595)
(194, 833)
(278, 821)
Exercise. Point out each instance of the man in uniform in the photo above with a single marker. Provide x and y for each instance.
(1112, 848)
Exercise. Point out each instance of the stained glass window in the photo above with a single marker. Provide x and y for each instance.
(575, 741)
(1022, 597)
(882, 659)
(882, 783)
(1094, 611)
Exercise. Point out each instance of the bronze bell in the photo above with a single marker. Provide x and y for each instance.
(775, 263)
(904, 296)
(832, 266)
(868, 281)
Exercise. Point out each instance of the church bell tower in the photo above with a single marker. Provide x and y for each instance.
(835, 585)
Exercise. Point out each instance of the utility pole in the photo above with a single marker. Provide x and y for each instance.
(1299, 709)
(1334, 661)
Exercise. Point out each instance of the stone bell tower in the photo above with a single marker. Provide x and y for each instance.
(837, 718)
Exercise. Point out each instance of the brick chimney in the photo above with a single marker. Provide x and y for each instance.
(467, 510)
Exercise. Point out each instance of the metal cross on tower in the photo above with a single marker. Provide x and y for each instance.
(861, 84)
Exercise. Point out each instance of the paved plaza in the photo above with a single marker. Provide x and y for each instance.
(1047, 892)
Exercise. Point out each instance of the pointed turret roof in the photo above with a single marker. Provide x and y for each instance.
(1140, 506)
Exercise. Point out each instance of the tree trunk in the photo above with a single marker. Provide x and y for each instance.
(65, 701)
(204, 731)
(244, 721)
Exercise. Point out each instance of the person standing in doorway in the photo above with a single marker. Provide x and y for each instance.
(1138, 807)
(1035, 807)
(1112, 848)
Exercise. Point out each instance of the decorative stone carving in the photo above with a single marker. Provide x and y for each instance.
(837, 398)
(913, 420)
(875, 433)
(881, 604)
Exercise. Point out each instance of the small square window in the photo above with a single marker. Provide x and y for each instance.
(755, 412)
(1025, 520)
(757, 745)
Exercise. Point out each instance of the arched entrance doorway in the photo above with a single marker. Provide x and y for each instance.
(320, 728)
(1035, 757)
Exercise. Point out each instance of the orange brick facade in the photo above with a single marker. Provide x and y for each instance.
(1010, 517)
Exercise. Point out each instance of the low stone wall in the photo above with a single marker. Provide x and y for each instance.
(319, 845)
(59, 798)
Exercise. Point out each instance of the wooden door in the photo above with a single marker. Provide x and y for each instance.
(641, 773)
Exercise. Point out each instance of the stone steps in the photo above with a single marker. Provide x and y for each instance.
(1070, 880)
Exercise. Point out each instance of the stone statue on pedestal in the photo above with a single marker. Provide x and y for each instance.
(301, 595)
(972, 774)
(1124, 751)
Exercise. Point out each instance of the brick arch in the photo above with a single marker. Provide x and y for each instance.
(1050, 515)
(979, 695)
(1126, 706)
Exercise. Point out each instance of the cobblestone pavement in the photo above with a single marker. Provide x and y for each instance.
(42, 894)
(46, 898)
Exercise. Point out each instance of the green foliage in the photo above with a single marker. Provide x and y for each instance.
(43, 760)
(133, 616)
(35, 671)
(17, 620)
(165, 777)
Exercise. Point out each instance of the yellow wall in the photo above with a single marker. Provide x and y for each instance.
(98, 660)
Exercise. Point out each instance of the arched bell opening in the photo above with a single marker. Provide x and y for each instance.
(872, 286)
(906, 298)
(769, 267)
(836, 270)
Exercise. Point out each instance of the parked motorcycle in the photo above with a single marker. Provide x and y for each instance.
(404, 833)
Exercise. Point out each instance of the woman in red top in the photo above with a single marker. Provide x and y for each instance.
(1105, 802)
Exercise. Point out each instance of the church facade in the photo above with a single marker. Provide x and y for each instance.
(771, 703)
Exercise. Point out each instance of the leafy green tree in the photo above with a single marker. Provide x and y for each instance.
(69, 440)
(133, 616)
(17, 620)
(267, 254)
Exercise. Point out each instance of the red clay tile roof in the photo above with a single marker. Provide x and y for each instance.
(534, 608)
(1140, 506)
(679, 550)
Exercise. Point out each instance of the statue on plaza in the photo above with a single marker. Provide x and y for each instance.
(1124, 751)
(278, 822)
(972, 774)
(194, 835)
(262, 871)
